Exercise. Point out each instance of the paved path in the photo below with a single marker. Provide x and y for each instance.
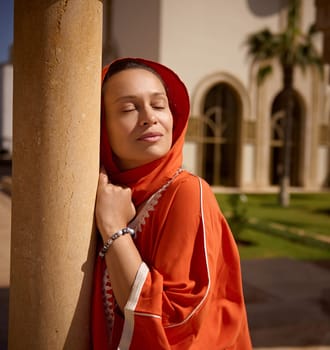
(288, 302)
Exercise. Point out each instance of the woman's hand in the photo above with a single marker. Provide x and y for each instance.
(113, 211)
(114, 207)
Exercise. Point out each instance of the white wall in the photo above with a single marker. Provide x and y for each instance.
(322, 166)
(6, 107)
(201, 37)
(135, 28)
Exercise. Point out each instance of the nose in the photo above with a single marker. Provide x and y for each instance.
(147, 116)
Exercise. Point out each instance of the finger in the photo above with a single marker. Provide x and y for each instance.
(133, 208)
(103, 177)
(102, 169)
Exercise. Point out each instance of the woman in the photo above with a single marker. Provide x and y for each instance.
(168, 274)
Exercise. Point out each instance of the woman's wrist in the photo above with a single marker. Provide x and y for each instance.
(108, 243)
(107, 232)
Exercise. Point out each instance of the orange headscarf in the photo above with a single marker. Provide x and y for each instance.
(146, 179)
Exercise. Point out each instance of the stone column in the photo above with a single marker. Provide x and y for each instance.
(57, 69)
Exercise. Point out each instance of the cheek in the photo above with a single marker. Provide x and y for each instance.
(166, 120)
(170, 127)
(114, 134)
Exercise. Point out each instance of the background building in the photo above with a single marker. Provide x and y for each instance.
(6, 109)
(235, 133)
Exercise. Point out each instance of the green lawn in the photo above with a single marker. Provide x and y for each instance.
(273, 231)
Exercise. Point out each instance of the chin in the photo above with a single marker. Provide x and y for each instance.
(152, 157)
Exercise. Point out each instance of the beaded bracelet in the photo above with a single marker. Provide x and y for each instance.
(116, 235)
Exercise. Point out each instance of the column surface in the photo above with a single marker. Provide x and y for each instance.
(57, 69)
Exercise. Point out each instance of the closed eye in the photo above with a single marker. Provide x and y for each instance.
(128, 108)
(159, 103)
(158, 107)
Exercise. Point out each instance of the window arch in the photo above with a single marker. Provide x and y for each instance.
(233, 108)
(222, 113)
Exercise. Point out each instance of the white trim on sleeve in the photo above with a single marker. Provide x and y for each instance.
(206, 263)
(130, 306)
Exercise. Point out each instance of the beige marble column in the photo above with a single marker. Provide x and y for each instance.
(57, 63)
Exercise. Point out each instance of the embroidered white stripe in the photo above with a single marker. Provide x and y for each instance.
(108, 301)
(150, 205)
(206, 262)
(147, 315)
(137, 287)
(130, 306)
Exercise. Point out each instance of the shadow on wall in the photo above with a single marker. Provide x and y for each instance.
(263, 8)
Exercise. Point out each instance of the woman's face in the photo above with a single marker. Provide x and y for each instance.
(138, 118)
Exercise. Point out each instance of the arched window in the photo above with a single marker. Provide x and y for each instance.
(222, 110)
(277, 141)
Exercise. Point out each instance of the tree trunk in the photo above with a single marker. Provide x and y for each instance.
(284, 195)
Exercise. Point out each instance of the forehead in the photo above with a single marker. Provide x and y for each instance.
(133, 81)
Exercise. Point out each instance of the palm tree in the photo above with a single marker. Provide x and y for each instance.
(291, 48)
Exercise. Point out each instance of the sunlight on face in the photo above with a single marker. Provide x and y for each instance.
(138, 118)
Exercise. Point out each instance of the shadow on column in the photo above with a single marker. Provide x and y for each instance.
(4, 307)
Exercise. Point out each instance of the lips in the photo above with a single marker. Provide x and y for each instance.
(150, 136)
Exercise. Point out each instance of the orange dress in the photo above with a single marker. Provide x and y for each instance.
(187, 293)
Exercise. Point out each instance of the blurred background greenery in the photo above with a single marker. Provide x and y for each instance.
(264, 229)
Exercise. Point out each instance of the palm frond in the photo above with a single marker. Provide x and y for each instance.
(263, 72)
(262, 45)
(307, 55)
(312, 30)
(291, 47)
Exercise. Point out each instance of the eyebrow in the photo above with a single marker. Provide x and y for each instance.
(131, 97)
